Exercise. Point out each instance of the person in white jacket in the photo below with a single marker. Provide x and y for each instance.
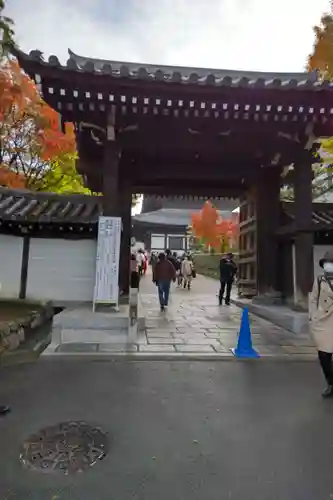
(187, 272)
(321, 319)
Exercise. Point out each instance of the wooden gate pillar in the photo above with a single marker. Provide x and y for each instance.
(303, 254)
(247, 277)
(268, 220)
(125, 200)
(117, 197)
(111, 159)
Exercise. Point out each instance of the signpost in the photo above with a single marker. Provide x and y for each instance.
(106, 290)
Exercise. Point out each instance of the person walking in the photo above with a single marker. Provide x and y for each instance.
(134, 272)
(321, 319)
(179, 271)
(228, 269)
(144, 263)
(171, 258)
(187, 272)
(163, 273)
(140, 260)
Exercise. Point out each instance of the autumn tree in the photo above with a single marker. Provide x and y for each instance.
(211, 230)
(34, 151)
(204, 225)
(228, 233)
(321, 58)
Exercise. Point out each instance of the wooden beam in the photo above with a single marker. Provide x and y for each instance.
(110, 187)
(24, 267)
(159, 89)
(207, 191)
(196, 173)
(303, 240)
(125, 200)
(267, 218)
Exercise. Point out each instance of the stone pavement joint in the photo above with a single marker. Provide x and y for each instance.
(194, 325)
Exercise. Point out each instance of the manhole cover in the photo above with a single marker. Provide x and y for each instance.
(68, 448)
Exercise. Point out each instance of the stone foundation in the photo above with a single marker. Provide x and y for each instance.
(14, 333)
(281, 315)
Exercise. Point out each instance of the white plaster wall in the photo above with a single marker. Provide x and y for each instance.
(11, 248)
(61, 270)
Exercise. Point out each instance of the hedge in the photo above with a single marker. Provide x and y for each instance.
(208, 264)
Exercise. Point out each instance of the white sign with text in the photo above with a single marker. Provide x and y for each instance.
(107, 261)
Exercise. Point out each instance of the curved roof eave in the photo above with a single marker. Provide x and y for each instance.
(188, 70)
(173, 74)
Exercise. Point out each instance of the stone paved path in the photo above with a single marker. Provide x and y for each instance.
(194, 326)
(194, 323)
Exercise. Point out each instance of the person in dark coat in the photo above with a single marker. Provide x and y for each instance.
(163, 273)
(171, 258)
(228, 269)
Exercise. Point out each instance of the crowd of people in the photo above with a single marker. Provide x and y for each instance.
(170, 267)
(167, 268)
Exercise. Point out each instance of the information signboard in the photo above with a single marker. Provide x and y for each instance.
(107, 261)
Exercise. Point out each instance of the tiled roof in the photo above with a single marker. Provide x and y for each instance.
(172, 216)
(179, 74)
(322, 218)
(30, 207)
(48, 207)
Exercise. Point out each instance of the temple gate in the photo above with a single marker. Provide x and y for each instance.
(189, 131)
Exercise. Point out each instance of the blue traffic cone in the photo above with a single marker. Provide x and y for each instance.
(244, 347)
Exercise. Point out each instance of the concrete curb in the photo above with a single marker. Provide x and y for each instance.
(137, 356)
(294, 322)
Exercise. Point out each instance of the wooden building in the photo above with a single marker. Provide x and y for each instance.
(189, 131)
(48, 243)
(164, 221)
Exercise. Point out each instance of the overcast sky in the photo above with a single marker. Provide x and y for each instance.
(259, 35)
(262, 35)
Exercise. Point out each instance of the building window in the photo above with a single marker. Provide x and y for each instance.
(176, 243)
(157, 242)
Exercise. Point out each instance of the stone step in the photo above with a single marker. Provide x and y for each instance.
(96, 336)
(69, 336)
(79, 318)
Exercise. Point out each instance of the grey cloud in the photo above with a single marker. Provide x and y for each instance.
(235, 34)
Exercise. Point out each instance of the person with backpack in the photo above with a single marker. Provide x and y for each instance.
(187, 271)
(321, 319)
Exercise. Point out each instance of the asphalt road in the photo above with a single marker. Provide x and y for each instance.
(178, 430)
